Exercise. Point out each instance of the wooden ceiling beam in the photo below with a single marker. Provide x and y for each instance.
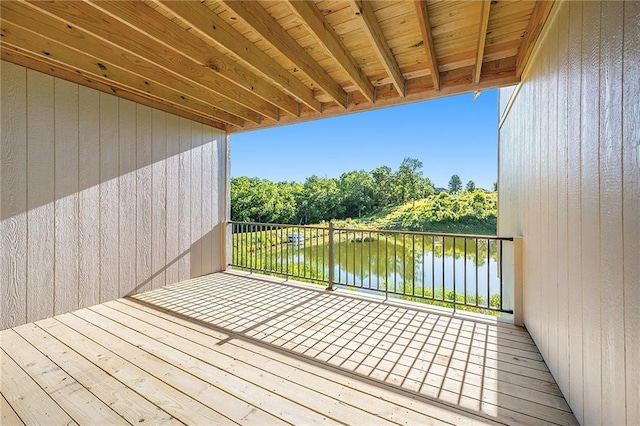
(498, 73)
(482, 38)
(538, 18)
(38, 46)
(372, 29)
(140, 16)
(213, 28)
(254, 15)
(427, 38)
(324, 33)
(18, 57)
(101, 26)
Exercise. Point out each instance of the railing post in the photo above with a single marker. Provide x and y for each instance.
(331, 259)
(518, 285)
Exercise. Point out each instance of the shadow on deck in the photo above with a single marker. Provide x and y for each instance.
(237, 348)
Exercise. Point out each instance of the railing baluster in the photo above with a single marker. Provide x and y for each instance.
(423, 267)
(378, 260)
(331, 259)
(369, 245)
(444, 289)
(488, 273)
(500, 276)
(413, 264)
(465, 271)
(386, 263)
(433, 267)
(395, 263)
(454, 273)
(362, 259)
(477, 260)
(339, 256)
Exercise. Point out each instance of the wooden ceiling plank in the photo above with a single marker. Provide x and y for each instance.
(482, 37)
(140, 16)
(499, 73)
(325, 35)
(254, 15)
(372, 29)
(538, 18)
(44, 49)
(211, 26)
(427, 38)
(232, 99)
(25, 59)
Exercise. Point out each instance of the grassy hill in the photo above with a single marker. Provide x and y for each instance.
(462, 213)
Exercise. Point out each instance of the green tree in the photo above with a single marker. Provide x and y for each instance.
(455, 184)
(383, 179)
(287, 192)
(409, 176)
(241, 199)
(495, 186)
(358, 195)
(471, 186)
(319, 200)
(427, 188)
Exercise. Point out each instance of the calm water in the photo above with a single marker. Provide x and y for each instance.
(404, 265)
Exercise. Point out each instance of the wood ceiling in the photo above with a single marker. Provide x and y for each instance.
(241, 65)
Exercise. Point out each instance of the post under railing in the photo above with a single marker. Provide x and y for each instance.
(518, 287)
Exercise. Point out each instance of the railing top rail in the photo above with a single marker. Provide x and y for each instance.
(429, 234)
(279, 225)
(380, 231)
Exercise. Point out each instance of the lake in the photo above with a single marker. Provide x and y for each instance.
(395, 263)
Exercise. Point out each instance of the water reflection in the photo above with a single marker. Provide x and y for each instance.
(405, 264)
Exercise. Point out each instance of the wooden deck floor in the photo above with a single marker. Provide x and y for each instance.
(228, 348)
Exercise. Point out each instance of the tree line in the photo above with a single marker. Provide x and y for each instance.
(353, 195)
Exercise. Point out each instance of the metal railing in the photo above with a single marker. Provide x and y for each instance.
(446, 269)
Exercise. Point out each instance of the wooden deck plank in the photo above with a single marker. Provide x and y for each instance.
(254, 370)
(179, 405)
(30, 402)
(228, 348)
(8, 417)
(186, 373)
(128, 404)
(70, 395)
(514, 382)
(326, 379)
(217, 372)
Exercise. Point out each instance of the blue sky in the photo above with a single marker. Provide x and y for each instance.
(450, 136)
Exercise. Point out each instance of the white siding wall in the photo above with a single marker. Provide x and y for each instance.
(100, 197)
(570, 185)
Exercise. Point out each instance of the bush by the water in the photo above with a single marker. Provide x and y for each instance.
(463, 213)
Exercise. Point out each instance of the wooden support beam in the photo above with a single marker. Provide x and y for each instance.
(536, 22)
(482, 37)
(427, 38)
(142, 17)
(373, 31)
(213, 28)
(500, 73)
(254, 15)
(28, 60)
(94, 68)
(324, 33)
(120, 37)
